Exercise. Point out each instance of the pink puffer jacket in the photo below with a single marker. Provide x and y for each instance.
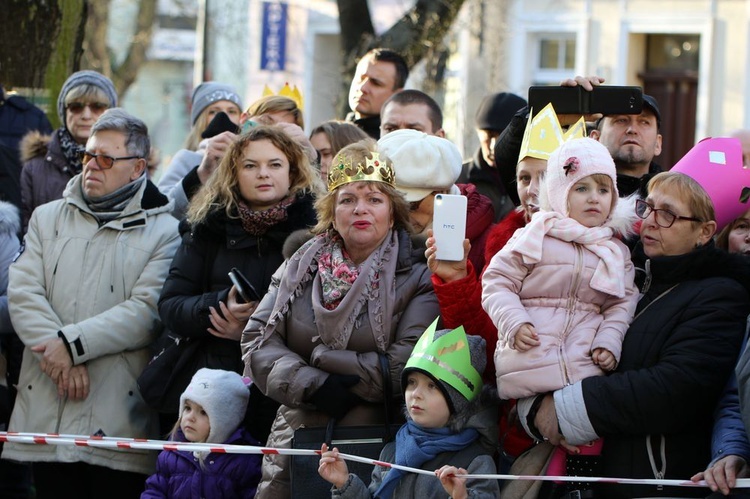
(570, 317)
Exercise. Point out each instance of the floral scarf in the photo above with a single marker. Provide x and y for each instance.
(257, 223)
(71, 150)
(375, 286)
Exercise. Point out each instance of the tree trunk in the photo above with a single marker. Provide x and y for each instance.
(40, 45)
(99, 56)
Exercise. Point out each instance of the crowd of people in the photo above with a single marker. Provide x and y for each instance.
(594, 327)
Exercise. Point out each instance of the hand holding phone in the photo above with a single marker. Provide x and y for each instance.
(246, 293)
(449, 226)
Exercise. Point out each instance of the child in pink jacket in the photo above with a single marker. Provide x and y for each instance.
(561, 291)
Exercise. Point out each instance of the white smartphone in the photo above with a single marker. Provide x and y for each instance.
(449, 226)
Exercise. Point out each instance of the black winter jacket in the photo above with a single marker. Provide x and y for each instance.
(198, 277)
(676, 358)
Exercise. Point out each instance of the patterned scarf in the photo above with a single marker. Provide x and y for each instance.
(374, 287)
(71, 150)
(609, 274)
(110, 206)
(416, 445)
(258, 222)
(337, 273)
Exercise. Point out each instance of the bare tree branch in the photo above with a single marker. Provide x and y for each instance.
(124, 75)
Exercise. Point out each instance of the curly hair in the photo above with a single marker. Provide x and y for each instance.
(222, 188)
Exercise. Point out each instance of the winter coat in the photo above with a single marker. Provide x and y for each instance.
(461, 300)
(282, 367)
(480, 216)
(18, 116)
(569, 316)
(179, 474)
(676, 359)
(171, 183)
(96, 287)
(45, 172)
(729, 435)
(477, 458)
(10, 223)
(487, 180)
(198, 279)
(369, 124)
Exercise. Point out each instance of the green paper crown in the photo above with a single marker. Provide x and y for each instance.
(447, 359)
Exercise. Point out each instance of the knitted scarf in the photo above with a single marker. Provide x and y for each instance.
(609, 274)
(374, 286)
(71, 150)
(416, 445)
(258, 222)
(110, 206)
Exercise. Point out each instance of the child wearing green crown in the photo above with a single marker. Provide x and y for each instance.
(450, 426)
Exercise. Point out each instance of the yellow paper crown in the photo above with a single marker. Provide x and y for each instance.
(374, 170)
(286, 91)
(544, 134)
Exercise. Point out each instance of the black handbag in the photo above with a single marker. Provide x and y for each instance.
(169, 372)
(360, 440)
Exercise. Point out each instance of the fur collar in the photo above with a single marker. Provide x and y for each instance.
(33, 145)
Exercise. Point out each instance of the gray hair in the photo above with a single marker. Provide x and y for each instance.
(117, 119)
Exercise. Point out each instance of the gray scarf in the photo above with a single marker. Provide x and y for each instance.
(335, 326)
(110, 206)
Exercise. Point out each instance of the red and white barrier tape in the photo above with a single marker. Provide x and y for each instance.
(138, 443)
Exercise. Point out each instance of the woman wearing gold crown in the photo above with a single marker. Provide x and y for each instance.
(358, 288)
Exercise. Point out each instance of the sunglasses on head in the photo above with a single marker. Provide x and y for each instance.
(95, 107)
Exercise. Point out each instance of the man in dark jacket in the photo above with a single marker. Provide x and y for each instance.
(18, 117)
(380, 74)
(493, 115)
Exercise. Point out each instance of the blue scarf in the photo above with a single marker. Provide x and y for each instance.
(416, 445)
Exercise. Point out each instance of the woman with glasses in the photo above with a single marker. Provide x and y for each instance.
(51, 161)
(655, 411)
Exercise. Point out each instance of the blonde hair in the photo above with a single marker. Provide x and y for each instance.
(87, 92)
(276, 104)
(688, 190)
(358, 152)
(222, 188)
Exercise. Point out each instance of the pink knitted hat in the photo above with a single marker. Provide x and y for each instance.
(716, 164)
(569, 163)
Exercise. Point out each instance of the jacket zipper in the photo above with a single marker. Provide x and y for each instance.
(572, 298)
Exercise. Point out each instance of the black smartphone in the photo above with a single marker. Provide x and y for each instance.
(604, 99)
(245, 290)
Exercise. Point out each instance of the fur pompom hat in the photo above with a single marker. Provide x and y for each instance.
(568, 164)
(223, 395)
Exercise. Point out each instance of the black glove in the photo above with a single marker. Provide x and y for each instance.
(334, 397)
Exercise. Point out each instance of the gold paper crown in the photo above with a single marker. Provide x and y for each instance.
(544, 134)
(286, 91)
(374, 170)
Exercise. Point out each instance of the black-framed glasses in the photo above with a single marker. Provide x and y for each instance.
(102, 160)
(95, 107)
(663, 218)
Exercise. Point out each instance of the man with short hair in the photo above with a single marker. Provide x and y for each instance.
(633, 140)
(414, 110)
(83, 299)
(380, 73)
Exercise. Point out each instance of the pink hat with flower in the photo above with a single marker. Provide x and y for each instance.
(571, 162)
(716, 164)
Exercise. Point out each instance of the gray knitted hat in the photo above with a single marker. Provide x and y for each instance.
(85, 77)
(224, 397)
(209, 92)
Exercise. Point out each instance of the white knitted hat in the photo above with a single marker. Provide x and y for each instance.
(224, 397)
(422, 163)
(571, 162)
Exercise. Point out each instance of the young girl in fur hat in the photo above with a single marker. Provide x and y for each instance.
(212, 409)
(450, 428)
(561, 291)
